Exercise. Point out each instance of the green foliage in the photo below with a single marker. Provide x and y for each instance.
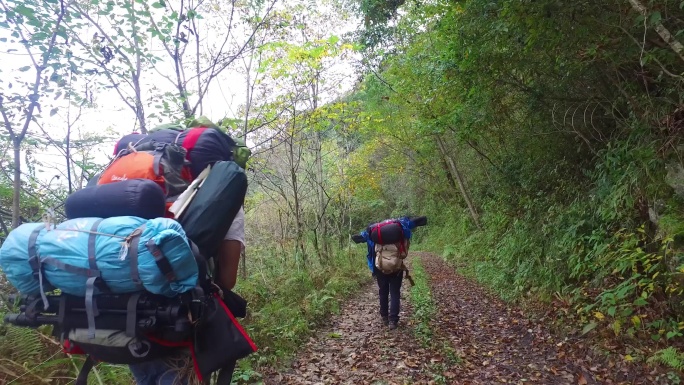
(669, 356)
(563, 120)
(424, 309)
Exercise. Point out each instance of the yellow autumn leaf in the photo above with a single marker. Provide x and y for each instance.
(636, 321)
(599, 315)
(629, 358)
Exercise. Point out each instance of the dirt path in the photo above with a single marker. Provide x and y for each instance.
(501, 345)
(495, 344)
(357, 349)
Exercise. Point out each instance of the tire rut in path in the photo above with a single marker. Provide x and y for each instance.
(499, 344)
(355, 348)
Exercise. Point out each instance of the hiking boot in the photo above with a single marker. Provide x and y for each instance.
(385, 321)
(393, 325)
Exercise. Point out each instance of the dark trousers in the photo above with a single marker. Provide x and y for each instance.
(389, 286)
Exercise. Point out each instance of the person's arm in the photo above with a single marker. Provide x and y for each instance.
(228, 258)
(228, 262)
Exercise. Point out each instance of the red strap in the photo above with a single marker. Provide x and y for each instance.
(70, 348)
(191, 139)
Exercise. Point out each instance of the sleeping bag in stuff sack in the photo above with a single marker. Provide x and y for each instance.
(135, 197)
(14, 257)
(386, 233)
(128, 254)
(210, 214)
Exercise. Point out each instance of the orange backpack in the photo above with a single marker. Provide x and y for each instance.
(163, 163)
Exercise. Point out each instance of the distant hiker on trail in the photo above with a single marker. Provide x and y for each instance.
(388, 243)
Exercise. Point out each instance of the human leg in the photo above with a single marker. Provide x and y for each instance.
(394, 285)
(383, 293)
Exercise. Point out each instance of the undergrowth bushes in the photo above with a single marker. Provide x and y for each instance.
(606, 246)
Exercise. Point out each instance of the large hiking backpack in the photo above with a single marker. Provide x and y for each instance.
(391, 248)
(113, 316)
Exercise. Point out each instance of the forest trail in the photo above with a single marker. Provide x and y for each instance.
(477, 339)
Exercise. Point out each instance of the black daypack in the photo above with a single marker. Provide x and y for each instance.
(211, 211)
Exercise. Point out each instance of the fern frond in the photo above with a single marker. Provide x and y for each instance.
(21, 345)
(670, 357)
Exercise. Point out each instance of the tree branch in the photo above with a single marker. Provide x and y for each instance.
(664, 33)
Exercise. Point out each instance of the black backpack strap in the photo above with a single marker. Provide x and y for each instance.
(162, 262)
(82, 378)
(159, 149)
(131, 314)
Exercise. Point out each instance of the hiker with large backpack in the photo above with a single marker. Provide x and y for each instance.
(146, 262)
(205, 145)
(388, 244)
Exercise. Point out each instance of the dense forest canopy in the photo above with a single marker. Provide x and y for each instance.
(542, 138)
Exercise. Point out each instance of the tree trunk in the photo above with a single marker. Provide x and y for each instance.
(459, 178)
(68, 157)
(16, 197)
(320, 190)
(139, 108)
(299, 225)
(245, 129)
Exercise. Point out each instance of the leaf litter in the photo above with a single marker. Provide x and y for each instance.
(496, 343)
(356, 348)
(501, 344)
